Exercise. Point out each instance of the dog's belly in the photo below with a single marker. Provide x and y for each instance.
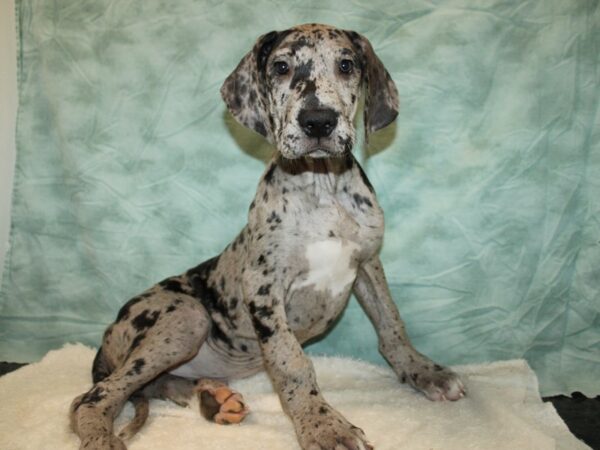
(320, 292)
(212, 363)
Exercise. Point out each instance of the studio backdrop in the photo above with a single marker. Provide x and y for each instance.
(129, 170)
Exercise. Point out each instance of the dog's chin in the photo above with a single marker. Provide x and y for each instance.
(320, 152)
(313, 151)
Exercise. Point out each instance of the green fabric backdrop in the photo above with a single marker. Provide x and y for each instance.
(129, 169)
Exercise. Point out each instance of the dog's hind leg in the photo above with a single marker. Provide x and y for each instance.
(174, 337)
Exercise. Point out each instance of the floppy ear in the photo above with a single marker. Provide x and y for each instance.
(381, 99)
(244, 89)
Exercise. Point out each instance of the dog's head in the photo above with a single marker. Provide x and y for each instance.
(300, 89)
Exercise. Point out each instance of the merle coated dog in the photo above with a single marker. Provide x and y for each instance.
(313, 236)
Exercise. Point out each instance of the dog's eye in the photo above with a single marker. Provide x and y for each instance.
(281, 67)
(346, 66)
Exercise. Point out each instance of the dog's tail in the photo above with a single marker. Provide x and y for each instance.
(100, 370)
(142, 408)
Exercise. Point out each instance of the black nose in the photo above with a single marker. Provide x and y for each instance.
(317, 122)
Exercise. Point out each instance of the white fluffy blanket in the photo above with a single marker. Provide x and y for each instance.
(502, 410)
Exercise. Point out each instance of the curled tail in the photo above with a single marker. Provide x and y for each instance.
(142, 408)
(101, 369)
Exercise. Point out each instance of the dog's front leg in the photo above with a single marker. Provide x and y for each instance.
(372, 291)
(318, 425)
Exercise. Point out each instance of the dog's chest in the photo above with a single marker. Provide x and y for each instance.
(330, 265)
(332, 228)
(330, 242)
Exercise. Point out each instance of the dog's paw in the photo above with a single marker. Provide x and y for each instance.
(222, 405)
(438, 383)
(326, 429)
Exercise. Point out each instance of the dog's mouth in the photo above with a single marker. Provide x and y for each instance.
(329, 147)
(320, 152)
(295, 144)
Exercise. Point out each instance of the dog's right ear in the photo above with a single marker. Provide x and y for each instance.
(244, 90)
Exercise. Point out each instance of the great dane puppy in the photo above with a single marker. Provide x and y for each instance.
(313, 235)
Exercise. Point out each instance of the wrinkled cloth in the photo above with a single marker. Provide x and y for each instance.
(129, 170)
(502, 410)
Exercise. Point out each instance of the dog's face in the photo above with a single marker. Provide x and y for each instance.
(300, 88)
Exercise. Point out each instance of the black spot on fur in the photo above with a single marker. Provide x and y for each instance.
(302, 73)
(199, 279)
(310, 93)
(264, 289)
(269, 174)
(136, 341)
(274, 217)
(125, 309)
(333, 34)
(241, 237)
(261, 311)
(260, 128)
(360, 200)
(172, 285)
(301, 42)
(261, 260)
(264, 332)
(145, 319)
(207, 292)
(95, 395)
(138, 365)
(218, 334)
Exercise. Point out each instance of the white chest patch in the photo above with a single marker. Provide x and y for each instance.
(330, 266)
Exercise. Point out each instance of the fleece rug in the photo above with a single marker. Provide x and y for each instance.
(503, 410)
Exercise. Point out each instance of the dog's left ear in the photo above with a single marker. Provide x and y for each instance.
(381, 99)
(244, 90)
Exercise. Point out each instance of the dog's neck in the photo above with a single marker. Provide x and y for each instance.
(320, 175)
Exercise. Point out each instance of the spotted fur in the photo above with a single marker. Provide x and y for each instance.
(313, 236)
